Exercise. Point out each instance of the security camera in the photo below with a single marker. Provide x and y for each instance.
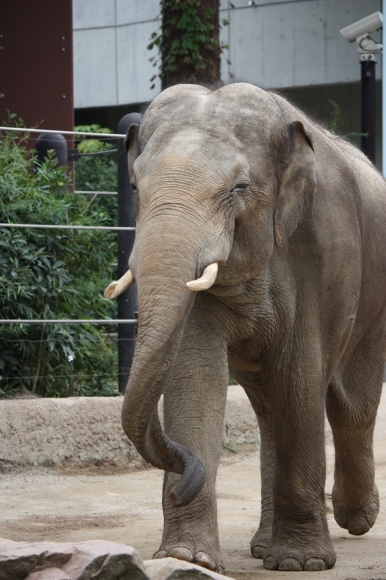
(362, 27)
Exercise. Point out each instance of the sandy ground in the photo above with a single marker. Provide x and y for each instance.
(43, 504)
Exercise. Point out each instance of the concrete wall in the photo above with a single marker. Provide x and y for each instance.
(275, 43)
(86, 431)
(292, 43)
(111, 62)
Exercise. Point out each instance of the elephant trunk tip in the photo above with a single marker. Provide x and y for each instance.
(191, 481)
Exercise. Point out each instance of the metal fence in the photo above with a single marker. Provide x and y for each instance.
(127, 302)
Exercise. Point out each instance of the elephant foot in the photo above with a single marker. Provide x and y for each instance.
(291, 557)
(194, 555)
(357, 520)
(260, 541)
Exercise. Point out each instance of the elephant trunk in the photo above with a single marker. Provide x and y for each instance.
(164, 301)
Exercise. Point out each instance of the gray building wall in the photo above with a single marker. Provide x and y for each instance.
(111, 62)
(291, 45)
(273, 43)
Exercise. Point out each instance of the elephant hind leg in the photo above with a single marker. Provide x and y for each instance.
(259, 401)
(352, 402)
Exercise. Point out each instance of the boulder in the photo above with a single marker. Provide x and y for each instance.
(94, 559)
(173, 569)
(49, 574)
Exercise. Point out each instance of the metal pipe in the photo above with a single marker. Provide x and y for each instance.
(52, 142)
(75, 155)
(127, 302)
(69, 321)
(55, 227)
(96, 192)
(80, 133)
(368, 106)
(384, 93)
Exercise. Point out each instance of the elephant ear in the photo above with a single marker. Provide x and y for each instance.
(132, 146)
(297, 183)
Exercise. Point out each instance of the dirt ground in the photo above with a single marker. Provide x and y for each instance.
(44, 504)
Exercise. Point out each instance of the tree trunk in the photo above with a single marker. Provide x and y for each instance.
(190, 46)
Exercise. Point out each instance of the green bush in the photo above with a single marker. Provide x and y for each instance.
(97, 173)
(52, 274)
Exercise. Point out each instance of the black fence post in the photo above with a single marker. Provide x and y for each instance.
(52, 141)
(127, 302)
(368, 106)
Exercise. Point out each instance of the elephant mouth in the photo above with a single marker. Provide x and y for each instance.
(206, 281)
(231, 290)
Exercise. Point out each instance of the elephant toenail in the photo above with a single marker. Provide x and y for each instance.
(373, 508)
(181, 554)
(258, 551)
(160, 554)
(315, 564)
(270, 563)
(290, 564)
(358, 526)
(204, 560)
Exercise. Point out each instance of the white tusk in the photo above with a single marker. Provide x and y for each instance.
(207, 279)
(119, 286)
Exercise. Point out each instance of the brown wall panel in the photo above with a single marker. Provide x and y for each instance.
(36, 71)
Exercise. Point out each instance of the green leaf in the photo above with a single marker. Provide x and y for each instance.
(56, 274)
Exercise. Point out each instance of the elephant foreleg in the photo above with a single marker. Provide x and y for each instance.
(194, 407)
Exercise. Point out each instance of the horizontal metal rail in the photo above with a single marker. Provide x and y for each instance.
(55, 227)
(69, 321)
(76, 155)
(96, 192)
(80, 133)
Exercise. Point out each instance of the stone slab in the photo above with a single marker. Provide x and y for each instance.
(96, 559)
(172, 569)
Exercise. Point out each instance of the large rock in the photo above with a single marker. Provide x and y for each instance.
(49, 574)
(94, 559)
(87, 431)
(172, 569)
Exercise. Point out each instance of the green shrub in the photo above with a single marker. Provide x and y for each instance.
(97, 173)
(52, 274)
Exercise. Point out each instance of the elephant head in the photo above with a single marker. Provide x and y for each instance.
(221, 181)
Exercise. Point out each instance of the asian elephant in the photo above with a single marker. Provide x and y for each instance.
(260, 247)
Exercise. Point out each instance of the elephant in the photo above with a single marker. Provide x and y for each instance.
(259, 250)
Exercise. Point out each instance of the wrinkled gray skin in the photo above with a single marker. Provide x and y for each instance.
(296, 219)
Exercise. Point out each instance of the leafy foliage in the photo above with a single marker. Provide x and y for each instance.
(336, 124)
(52, 274)
(97, 173)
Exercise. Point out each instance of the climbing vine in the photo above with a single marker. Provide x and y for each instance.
(188, 42)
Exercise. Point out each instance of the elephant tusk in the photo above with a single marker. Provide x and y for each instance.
(119, 286)
(207, 279)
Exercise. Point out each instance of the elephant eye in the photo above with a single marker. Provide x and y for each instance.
(134, 188)
(134, 191)
(241, 186)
